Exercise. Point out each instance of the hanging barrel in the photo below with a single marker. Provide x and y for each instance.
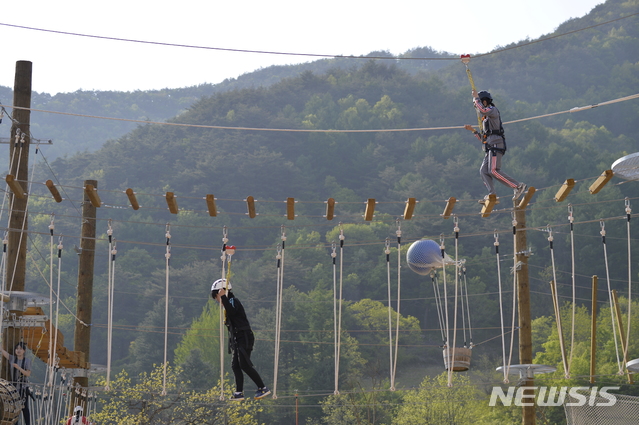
(11, 403)
(461, 361)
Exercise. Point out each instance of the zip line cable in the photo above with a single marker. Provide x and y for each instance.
(157, 43)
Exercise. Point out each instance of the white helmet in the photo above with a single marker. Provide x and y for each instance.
(78, 409)
(220, 284)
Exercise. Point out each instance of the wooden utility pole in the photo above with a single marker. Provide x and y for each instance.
(523, 299)
(82, 334)
(19, 168)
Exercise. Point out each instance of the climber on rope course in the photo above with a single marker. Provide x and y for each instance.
(491, 134)
(241, 340)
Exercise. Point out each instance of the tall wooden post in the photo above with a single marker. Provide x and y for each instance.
(82, 334)
(523, 292)
(19, 168)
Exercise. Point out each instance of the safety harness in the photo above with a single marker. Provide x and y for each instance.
(233, 334)
(491, 132)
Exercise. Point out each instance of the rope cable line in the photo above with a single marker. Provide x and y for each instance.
(338, 335)
(112, 251)
(628, 210)
(307, 130)
(571, 219)
(610, 296)
(556, 306)
(222, 313)
(451, 361)
(442, 248)
(317, 55)
(278, 307)
(167, 257)
(398, 233)
(501, 311)
(387, 251)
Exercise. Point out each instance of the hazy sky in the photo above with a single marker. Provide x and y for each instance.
(66, 63)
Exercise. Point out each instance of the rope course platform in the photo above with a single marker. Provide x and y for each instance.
(37, 330)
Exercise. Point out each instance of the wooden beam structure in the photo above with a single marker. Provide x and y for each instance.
(39, 337)
(250, 206)
(601, 181)
(132, 199)
(15, 187)
(565, 189)
(16, 247)
(450, 204)
(409, 209)
(171, 202)
(330, 208)
(290, 208)
(527, 197)
(54, 191)
(210, 204)
(370, 209)
(92, 193)
(489, 204)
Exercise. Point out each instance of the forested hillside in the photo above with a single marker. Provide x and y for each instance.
(267, 142)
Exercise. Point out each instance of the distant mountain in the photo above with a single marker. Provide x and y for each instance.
(75, 134)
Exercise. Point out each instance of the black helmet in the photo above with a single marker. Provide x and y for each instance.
(485, 95)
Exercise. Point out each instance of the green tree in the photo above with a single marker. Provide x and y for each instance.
(154, 400)
(437, 404)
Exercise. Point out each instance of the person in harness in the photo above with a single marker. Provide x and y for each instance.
(19, 374)
(241, 340)
(77, 418)
(492, 136)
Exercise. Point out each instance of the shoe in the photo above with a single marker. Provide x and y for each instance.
(237, 396)
(261, 393)
(519, 190)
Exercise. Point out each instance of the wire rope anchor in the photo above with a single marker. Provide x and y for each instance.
(283, 236)
(51, 225)
(168, 234)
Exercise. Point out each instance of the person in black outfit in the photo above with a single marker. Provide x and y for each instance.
(241, 340)
(20, 372)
